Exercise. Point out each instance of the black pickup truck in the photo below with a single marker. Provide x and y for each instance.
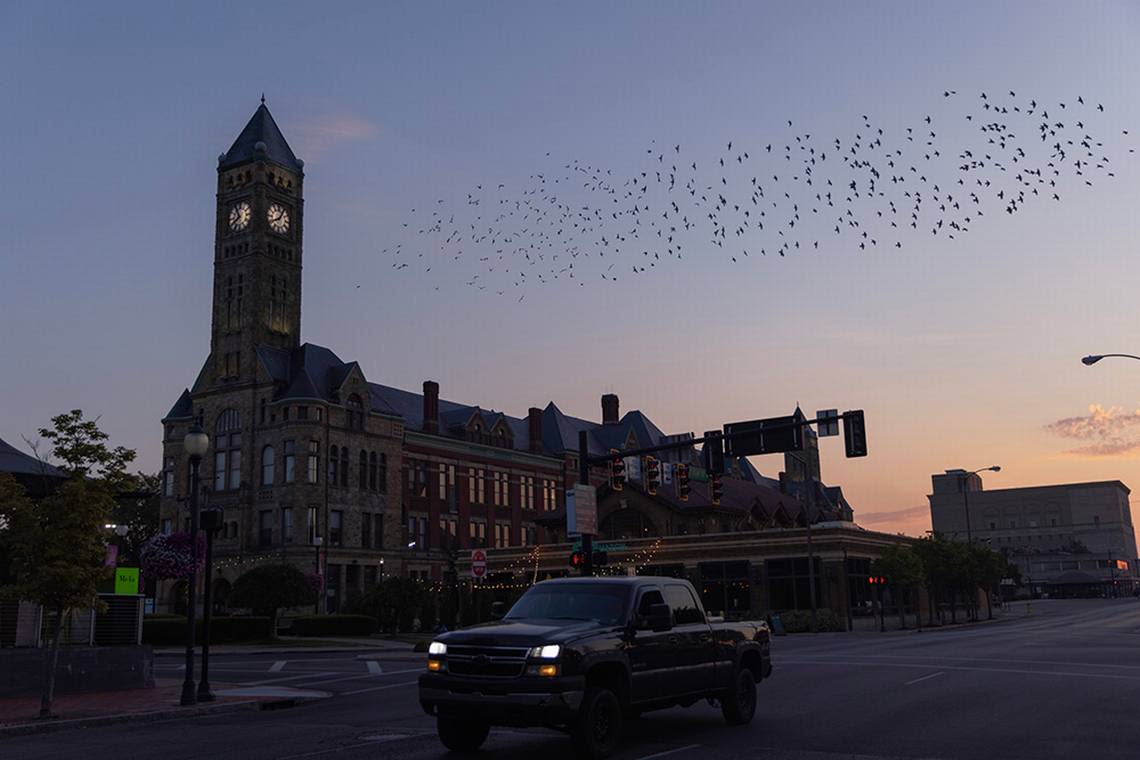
(581, 654)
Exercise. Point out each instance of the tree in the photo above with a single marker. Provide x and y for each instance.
(269, 588)
(56, 553)
(392, 600)
(991, 568)
(935, 553)
(79, 445)
(904, 571)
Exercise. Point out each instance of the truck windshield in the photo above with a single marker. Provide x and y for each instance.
(602, 604)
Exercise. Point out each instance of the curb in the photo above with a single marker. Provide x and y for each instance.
(25, 729)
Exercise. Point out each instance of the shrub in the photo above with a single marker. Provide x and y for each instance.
(334, 625)
(799, 621)
(171, 630)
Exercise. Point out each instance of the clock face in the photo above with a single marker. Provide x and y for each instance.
(278, 218)
(239, 216)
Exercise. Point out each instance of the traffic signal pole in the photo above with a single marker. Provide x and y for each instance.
(584, 479)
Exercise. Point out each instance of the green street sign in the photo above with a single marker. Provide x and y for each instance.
(602, 546)
(127, 581)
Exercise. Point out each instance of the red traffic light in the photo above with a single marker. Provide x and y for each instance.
(716, 488)
(652, 475)
(682, 476)
(576, 559)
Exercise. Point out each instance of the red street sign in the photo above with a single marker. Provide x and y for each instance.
(478, 563)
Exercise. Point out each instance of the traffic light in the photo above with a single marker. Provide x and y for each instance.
(855, 434)
(617, 470)
(681, 475)
(716, 488)
(714, 451)
(576, 559)
(652, 475)
(876, 580)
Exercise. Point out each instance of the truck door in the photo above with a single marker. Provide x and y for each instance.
(649, 652)
(695, 650)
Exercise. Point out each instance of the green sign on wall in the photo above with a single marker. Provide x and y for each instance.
(127, 581)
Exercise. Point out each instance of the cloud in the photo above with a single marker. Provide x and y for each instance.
(871, 518)
(1112, 432)
(322, 134)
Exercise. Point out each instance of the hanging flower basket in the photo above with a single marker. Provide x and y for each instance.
(168, 556)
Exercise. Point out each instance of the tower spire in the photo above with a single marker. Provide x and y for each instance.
(263, 98)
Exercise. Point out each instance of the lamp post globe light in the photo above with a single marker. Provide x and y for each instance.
(195, 443)
(966, 495)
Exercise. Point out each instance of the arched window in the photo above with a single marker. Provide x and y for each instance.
(227, 451)
(372, 471)
(344, 466)
(268, 462)
(355, 413)
(363, 469)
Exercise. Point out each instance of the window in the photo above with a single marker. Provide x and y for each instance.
(993, 526)
(268, 457)
(502, 535)
(478, 531)
(528, 535)
(476, 483)
(290, 461)
(412, 532)
(1013, 523)
(313, 532)
(648, 599)
(302, 413)
(417, 478)
(354, 413)
(366, 531)
(314, 461)
(334, 460)
(446, 482)
(1053, 523)
(363, 470)
(285, 414)
(167, 526)
(448, 526)
(336, 518)
(372, 484)
(227, 451)
(497, 488)
(261, 407)
(378, 531)
(684, 606)
(286, 525)
(549, 495)
(1096, 519)
(344, 466)
(265, 535)
(527, 489)
(422, 537)
(382, 478)
(168, 477)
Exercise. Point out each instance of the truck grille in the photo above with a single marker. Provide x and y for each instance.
(501, 662)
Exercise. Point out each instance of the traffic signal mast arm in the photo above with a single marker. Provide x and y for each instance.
(688, 443)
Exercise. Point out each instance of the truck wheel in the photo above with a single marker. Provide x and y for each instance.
(461, 735)
(739, 705)
(597, 730)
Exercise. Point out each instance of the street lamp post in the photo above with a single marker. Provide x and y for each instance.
(211, 522)
(195, 443)
(1092, 359)
(966, 495)
(317, 541)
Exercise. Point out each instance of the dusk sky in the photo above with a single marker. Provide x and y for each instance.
(964, 352)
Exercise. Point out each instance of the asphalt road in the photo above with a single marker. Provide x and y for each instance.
(1063, 682)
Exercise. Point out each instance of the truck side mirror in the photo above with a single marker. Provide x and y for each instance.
(498, 610)
(660, 618)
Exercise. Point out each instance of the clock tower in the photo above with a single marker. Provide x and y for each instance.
(257, 250)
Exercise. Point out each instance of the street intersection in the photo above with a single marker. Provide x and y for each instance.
(1059, 679)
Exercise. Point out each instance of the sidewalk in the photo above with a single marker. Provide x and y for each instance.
(301, 645)
(18, 715)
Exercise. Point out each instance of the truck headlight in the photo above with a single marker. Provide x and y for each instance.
(547, 652)
(437, 647)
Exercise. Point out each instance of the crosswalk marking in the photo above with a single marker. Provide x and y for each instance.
(374, 667)
(278, 666)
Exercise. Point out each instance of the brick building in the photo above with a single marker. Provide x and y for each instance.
(303, 445)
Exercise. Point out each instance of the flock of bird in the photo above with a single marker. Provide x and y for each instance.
(877, 187)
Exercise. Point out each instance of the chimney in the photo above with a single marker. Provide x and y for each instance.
(610, 409)
(534, 429)
(431, 406)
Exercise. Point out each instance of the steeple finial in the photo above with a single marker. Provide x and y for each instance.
(263, 98)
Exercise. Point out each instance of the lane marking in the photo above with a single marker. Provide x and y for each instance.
(669, 752)
(356, 677)
(924, 678)
(408, 670)
(1008, 661)
(380, 688)
(299, 676)
(374, 667)
(1067, 674)
(278, 666)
